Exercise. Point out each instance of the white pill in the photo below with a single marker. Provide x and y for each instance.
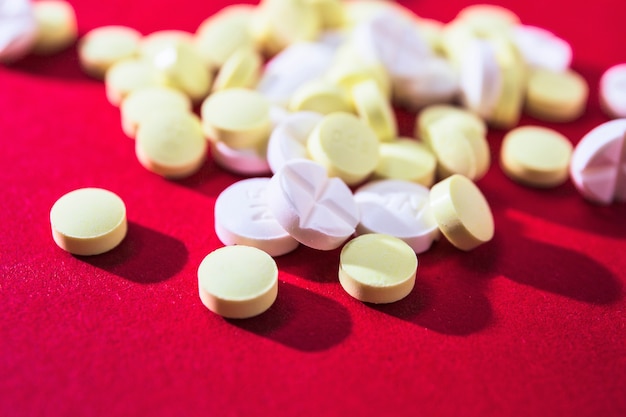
(540, 48)
(480, 78)
(397, 208)
(613, 91)
(318, 211)
(245, 161)
(293, 67)
(289, 138)
(18, 29)
(242, 217)
(598, 165)
(394, 40)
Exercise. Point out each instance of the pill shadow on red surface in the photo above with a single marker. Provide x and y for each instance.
(144, 256)
(302, 320)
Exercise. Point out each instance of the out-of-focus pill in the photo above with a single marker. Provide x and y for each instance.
(556, 96)
(241, 70)
(171, 144)
(598, 165)
(293, 67)
(613, 91)
(462, 212)
(374, 109)
(223, 33)
(406, 159)
(142, 104)
(318, 211)
(238, 282)
(432, 31)
(245, 161)
(56, 26)
(331, 13)
(102, 47)
(397, 208)
(18, 29)
(431, 114)
(488, 19)
(238, 117)
(320, 96)
(345, 146)
(509, 108)
(480, 78)
(536, 156)
(541, 48)
(242, 217)
(129, 75)
(288, 140)
(377, 268)
(88, 221)
(154, 43)
(184, 70)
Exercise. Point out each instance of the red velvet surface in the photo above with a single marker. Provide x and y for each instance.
(530, 324)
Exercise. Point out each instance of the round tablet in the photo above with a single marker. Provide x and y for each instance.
(613, 91)
(462, 212)
(56, 26)
(346, 146)
(102, 47)
(88, 221)
(321, 97)
(556, 96)
(130, 75)
(375, 109)
(238, 117)
(536, 156)
(151, 45)
(238, 282)
(171, 144)
(431, 114)
(406, 159)
(241, 69)
(142, 104)
(508, 109)
(377, 268)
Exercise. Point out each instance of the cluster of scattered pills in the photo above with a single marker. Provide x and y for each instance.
(304, 91)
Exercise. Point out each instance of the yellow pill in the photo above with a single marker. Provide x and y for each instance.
(377, 268)
(374, 109)
(488, 19)
(556, 96)
(142, 104)
(102, 47)
(238, 281)
(432, 31)
(242, 69)
(320, 96)
(453, 151)
(346, 146)
(431, 114)
(238, 117)
(462, 212)
(349, 69)
(185, 70)
(152, 44)
(56, 26)
(509, 107)
(536, 156)
(171, 144)
(331, 12)
(88, 221)
(129, 75)
(225, 32)
(406, 159)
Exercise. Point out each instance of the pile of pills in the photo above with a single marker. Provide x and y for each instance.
(299, 96)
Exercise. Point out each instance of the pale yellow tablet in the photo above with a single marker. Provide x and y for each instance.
(536, 156)
(88, 221)
(556, 96)
(375, 109)
(488, 19)
(346, 146)
(332, 13)
(171, 144)
(453, 151)
(102, 47)
(432, 31)
(151, 45)
(406, 159)
(56, 26)
(514, 78)
(320, 96)
(462, 212)
(238, 282)
(185, 70)
(142, 104)
(223, 33)
(432, 113)
(377, 268)
(238, 117)
(241, 69)
(349, 69)
(129, 75)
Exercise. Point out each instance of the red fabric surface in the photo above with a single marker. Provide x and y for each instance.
(530, 324)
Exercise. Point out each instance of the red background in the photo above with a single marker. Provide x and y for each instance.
(530, 324)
